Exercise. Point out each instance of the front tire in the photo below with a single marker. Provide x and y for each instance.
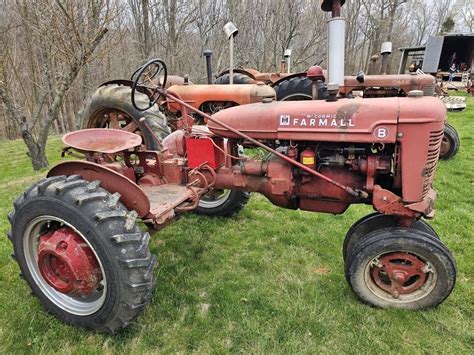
(401, 268)
(450, 143)
(82, 253)
(376, 221)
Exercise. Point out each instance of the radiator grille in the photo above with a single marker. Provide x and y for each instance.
(429, 90)
(432, 159)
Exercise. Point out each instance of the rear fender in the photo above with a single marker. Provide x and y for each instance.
(131, 195)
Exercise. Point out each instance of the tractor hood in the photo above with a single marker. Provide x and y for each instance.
(238, 94)
(357, 120)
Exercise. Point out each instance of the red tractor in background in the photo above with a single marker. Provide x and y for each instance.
(79, 247)
(298, 86)
(110, 106)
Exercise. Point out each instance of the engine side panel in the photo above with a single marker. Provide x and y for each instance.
(346, 120)
(420, 134)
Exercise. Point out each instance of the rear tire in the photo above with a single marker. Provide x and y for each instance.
(238, 79)
(111, 233)
(450, 144)
(401, 268)
(113, 100)
(294, 89)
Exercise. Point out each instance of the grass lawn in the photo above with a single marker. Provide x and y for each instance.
(269, 280)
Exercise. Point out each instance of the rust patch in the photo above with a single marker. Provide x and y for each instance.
(345, 115)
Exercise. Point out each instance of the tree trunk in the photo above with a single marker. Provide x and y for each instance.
(146, 30)
(36, 153)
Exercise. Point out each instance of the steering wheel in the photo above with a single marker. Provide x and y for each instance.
(142, 78)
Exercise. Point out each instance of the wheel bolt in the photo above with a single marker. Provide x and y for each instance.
(61, 246)
(399, 277)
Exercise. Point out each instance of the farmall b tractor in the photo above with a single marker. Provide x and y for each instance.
(78, 244)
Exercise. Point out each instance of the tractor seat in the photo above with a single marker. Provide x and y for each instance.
(102, 140)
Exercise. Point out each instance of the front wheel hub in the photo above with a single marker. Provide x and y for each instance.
(400, 273)
(67, 263)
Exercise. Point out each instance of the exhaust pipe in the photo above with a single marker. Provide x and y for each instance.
(282, 66)
(287, 56)
(386, 51)
(231, 31)
(336, 40)
(208, 54)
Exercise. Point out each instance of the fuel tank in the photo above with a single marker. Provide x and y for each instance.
(347, 120)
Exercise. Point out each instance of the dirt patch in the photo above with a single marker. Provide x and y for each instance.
(322, 270)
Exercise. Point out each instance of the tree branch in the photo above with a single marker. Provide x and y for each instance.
(53, 110)
(15, 114)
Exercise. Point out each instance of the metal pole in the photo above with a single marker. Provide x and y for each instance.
(287, 56)
(383, 68)
(231, 54)
(208, 54)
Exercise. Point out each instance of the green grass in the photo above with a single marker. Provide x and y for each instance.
(269, 280)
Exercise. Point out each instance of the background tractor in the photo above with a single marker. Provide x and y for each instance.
(299, 86)
(110, 106)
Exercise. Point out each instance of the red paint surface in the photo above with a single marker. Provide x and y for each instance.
(67, 263)
(203, 151)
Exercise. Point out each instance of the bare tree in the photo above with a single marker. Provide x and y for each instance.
(465, 9)
(45, 70)
(58, 49)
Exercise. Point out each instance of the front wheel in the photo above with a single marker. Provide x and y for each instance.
(401, 268)
(82, 253)
(375, 221)
(450, 143)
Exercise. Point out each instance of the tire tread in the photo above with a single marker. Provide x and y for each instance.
(136, 263)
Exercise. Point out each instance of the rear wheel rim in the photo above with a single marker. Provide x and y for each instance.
(113, 118)
(445, 146)
(400, 277)
(81, 305)
(214, 199)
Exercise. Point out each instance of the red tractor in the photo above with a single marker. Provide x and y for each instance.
(78, 244)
